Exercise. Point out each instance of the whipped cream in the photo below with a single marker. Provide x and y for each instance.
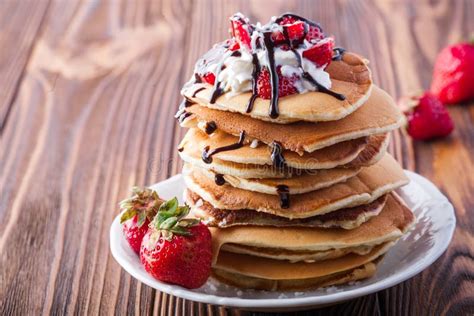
(236, 77)
(232, 66)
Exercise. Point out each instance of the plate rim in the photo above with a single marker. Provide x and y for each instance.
(331, 298)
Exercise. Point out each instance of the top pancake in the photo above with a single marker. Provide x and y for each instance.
(350, 76)
(378, 115)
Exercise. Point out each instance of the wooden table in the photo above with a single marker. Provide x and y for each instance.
(88, 90)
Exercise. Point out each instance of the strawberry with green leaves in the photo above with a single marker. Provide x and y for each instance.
(177, 249)
(138, 211)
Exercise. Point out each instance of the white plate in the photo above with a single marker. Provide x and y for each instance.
(412, 254)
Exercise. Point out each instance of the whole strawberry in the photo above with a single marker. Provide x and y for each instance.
(176, 249)
(429, 119)
(453, 75)
(138, 211)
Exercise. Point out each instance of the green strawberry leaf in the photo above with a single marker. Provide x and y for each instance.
(128, 214)
(169, 223)
(188, 222)
(141, 219)
(169, 206)
(178, 230)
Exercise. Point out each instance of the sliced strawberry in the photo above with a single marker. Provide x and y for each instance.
(294, 30)
(241, 30)
(286, 85)
(321, 53)
(429, 119)
(234, 45)
(314, 34)
(209, 77)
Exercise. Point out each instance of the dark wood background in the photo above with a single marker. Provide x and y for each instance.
(88, 90)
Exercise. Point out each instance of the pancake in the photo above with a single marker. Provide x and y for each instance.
(394, 220)
(347, 218)
(295, 256)
(245, 282)
(350, 76)
(377, 116)
(195, 141)
(367, 186)
(309, 180)
(191, 153)
(283, 274)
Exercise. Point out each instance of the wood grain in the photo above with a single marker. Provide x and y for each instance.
(88, 92)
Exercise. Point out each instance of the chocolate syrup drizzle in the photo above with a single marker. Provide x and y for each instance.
(236, 53)
(277, 155)
(338, 52)
(255, 72)
(182, 114)
(216, 92)
(318, 86)
(197, 91)
(210, 127)
(284, 194)
(219, 179)
(207, 153)
(267, 41)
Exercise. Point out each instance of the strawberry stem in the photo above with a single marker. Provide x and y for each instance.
(143, 203)
(170, 219)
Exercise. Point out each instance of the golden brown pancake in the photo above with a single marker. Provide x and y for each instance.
(286, 272)
(371, 154)
(350, 77)
(377, 116)
(295, 256)
(394, 220)
(246, 282)
(195, 141)
(368, 185)
(307, 181)
(347, 218)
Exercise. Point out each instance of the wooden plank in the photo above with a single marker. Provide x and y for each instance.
(94, 111)
(20, 23)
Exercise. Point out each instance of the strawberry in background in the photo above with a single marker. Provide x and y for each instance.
(428, 118)
(138, 211)
(453, 75)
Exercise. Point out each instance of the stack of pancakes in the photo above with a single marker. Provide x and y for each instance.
(302, 200)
